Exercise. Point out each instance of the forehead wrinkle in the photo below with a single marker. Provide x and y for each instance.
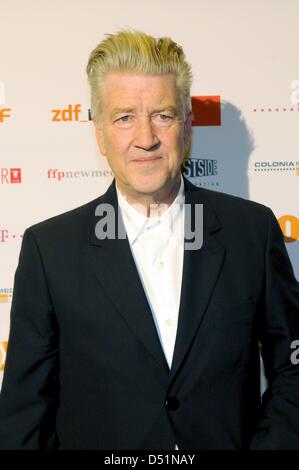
(136, 96)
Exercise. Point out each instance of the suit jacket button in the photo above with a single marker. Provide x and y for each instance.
(172, 403)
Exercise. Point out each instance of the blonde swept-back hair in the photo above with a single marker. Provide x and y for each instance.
(137, 52)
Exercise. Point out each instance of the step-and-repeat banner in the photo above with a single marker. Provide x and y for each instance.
(245, 101)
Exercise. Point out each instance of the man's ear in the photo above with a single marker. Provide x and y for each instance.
(188, 130)
(99, 137)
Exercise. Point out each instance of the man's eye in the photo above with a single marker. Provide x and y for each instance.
(124, 121)
(164, 117)
(124, 118)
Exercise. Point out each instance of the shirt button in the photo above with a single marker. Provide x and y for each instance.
(169, 322)
(161, 264)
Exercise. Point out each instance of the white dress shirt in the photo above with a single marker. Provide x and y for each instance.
(157, 245)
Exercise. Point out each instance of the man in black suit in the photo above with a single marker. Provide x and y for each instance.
(151, 340)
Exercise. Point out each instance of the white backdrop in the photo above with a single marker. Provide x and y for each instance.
(246, 53)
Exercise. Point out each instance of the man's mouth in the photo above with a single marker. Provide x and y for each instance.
(146, 160)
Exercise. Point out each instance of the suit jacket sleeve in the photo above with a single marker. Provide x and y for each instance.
(279, 424)
(29, 394)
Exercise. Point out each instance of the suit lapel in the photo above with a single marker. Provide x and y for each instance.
(115, 269)
(201, 269)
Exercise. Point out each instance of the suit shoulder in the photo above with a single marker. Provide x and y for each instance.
(227, 203)
(241, 219)
(71, 221)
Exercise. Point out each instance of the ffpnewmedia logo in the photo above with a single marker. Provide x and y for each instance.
(289, 225)
(290, 167)
(10, 175)
(3, 350)
(70, 113)
(61, 175)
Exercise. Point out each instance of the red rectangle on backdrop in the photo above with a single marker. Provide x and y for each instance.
(15, 175)
(206, 111)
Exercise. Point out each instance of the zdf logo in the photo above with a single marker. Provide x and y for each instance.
(4, 112)
(289, 225)
(2, 92)
(71, 113)
(3, 349)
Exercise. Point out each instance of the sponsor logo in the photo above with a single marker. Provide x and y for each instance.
(275, 109)
(290, 166)
(201, 171)
(10, 175)
(198, 167)
(3, 350)
(72, 113)
(5, 295)
(4, 112)
(5, 235)
(206, 110)
(60, 175)
(289, 225)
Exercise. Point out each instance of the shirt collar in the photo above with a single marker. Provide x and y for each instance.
(135, 222)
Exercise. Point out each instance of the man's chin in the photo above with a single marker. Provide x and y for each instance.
(149, 186)
(149, 190)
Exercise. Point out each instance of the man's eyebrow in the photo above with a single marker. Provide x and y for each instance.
(116, 111)
(166, 108)
(160, 109)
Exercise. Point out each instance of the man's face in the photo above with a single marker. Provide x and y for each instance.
(142, 132)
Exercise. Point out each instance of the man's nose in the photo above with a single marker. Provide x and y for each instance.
(145, 136)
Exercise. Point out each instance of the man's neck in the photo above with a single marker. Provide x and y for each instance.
(152, 205)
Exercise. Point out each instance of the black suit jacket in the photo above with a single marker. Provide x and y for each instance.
(85, 368)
